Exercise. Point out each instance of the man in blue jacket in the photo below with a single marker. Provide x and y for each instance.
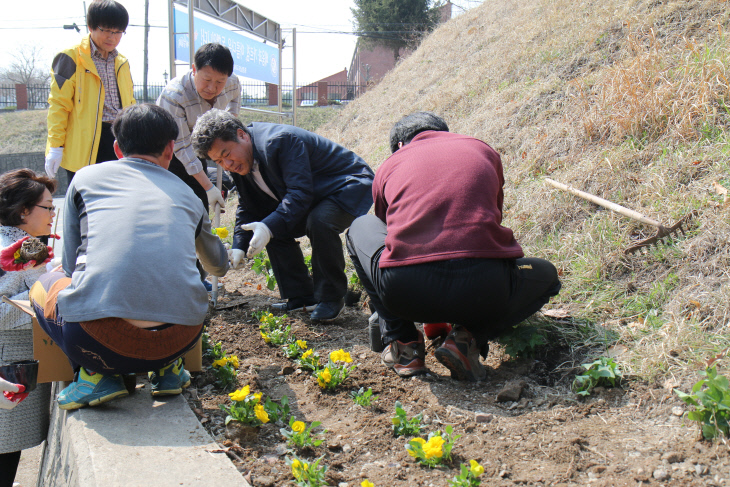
(291, 183)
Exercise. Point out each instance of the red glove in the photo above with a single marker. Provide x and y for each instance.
(16, 397)
(10, 256)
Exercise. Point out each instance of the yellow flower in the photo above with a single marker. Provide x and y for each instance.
(340, 356)
(298, 427)
(296, 468)
(367, 483)
(234, 361)
(475, 468)
(420, 441)
(307, 353)
(265, 337)
(433, 447)
(221, 362)
(222, 232)
(302, 344)
(240, 394)
(258, 396)
(395, 420)
(324, 378)
(16, 255)
(260, 413)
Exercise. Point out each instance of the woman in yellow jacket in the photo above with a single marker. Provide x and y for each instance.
(90, 83)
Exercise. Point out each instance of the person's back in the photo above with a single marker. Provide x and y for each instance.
(140, 223)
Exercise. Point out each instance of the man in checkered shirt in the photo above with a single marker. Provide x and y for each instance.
(209, 84)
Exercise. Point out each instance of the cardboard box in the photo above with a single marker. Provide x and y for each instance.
(53, 365)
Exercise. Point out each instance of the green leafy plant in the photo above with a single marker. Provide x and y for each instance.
(309, 360)
(246, 408)
(602, 372)
(363, 398)
(308, 263)
(300, 436)
(711, 400)
(262, 266)
(336, 371)
(277, 411)
(435, 450)
(277, 336)
(469, 476)
(295, 349)
(402, 426)
(522, 341)
(355, 281)
(307, 474)
(226, 371)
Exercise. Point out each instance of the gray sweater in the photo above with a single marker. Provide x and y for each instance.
(131, 231)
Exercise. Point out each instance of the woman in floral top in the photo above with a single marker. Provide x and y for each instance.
(26, 209)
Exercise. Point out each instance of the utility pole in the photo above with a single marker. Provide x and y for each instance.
(146, 42)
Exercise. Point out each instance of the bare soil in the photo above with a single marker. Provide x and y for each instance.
(634, 435)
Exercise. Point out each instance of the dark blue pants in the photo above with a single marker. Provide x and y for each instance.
(486, 296)
(323, 225)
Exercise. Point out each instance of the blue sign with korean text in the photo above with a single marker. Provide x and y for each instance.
(251, 59)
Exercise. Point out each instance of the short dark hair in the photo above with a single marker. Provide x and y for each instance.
(215, 55)
(215, 124)
(21, 189)
(107, 13)
(411, 125)
(144, 129)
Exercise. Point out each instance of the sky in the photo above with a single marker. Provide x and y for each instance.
(321, 48)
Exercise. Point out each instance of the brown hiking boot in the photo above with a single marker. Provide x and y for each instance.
(459, 354)
(405, 358)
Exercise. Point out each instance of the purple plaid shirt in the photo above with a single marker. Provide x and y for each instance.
(105, 67)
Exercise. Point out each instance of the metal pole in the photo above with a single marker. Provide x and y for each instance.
(191, 30)
(294, 73)
(281, 92)
(146, 42)
(171, 36)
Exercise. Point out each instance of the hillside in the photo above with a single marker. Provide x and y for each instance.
(626, 100)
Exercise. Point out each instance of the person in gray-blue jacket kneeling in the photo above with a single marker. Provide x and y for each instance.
(291, 183)
(129, 298)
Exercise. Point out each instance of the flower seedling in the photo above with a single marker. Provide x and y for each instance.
(225, 370)
(602, 372)
(300, 436)
(402, 426)
(711, 400)
(336, 371)
(277, 336)
(307, 474)
(366, 483)
(363, 398)
(295, 349)
(262, 266)
(469, 476)
(434, 451)
(309, 360)
(222, 232)
(277, 412)
(251, 409)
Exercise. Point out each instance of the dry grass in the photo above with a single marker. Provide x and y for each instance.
(23, 131)
(626, 100)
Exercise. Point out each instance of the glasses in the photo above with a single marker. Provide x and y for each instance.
(52, 209)
(114, 33)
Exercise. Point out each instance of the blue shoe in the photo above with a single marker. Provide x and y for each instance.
(91, 390)
(169, 380)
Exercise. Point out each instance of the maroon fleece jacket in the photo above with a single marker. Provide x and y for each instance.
(441, 198)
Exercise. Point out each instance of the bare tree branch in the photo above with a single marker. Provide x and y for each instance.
(27, 67)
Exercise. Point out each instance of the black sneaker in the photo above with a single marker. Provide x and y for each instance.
(328, 310)
(306, 303)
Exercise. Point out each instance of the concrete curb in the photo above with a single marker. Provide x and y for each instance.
(133, 441)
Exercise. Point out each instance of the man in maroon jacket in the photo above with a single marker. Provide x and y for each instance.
(435, 250)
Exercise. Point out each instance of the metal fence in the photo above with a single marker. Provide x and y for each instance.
(252, 94)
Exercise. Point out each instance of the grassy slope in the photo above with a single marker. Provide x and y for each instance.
(622, 99)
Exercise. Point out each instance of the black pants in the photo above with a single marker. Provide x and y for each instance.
(486, 296)
(177, 168)
(106, 148)
(324, 224)
(8, 468)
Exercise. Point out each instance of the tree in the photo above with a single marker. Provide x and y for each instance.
(394, 23)
(27, 67)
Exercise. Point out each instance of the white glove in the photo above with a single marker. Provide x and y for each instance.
(6, 403)
(53, 161)
(235, 256)
(215, 196)
(261, 237)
